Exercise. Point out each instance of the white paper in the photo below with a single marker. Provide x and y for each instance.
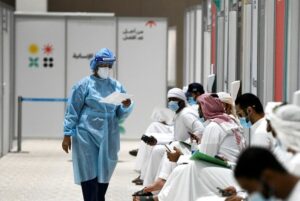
(116, 98)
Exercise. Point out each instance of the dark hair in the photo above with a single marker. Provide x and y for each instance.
(249, 100)
(214, 95)
(254, 160)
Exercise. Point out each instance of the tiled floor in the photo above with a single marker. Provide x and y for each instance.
(43, 172)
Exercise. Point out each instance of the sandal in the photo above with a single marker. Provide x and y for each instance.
(142, 193)
(139, 182)
(136, 179)
(147, 198)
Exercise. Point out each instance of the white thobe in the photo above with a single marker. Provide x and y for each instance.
(260, 137)
(195, 180)
(294, 165)
(149, 173)
(211, 198)
(199, 178)
(185, 122)
(163, 133)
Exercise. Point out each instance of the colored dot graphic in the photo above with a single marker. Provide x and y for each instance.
(33, 49)
(48, 49)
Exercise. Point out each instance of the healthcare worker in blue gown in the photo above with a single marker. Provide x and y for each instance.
(94, 127)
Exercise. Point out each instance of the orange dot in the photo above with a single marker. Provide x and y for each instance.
(33, 49)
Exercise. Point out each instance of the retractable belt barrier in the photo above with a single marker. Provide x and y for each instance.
(22, 99)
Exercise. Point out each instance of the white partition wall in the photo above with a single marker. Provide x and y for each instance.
(206, 57)
(40, 73)
(198, 46)
(266, 51)
(226, 43)
(1, 88)
(192, 46)
(172, 38)
(232, 47)
(254, 27)
(8, 103)
(220, 51)
(6, 78)
(246, 48)
(193, 43)
(207, 36)
(186, 67)
(53, 52)
(142, 45)
(87, 35)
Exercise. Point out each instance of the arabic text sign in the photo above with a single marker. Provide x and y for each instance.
(133, 34)
(82, 56)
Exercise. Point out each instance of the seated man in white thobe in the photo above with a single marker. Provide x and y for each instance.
(221, 137)
(260, 173)
(285, 120)
(251, 114)
(228, 104)
(282, 125)
(186, 121)
(250, 111)
(161, 129)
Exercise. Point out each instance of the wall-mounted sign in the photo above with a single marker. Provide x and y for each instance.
(34, 56)
(133, 34)
(83, 56)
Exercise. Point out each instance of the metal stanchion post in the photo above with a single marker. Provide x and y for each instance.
(19, 129)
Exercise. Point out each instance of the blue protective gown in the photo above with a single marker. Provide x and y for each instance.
(94, 128)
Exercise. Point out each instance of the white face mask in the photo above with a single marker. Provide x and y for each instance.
(104, 72)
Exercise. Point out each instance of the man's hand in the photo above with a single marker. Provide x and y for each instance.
(126, 103)
(174, 156)
(66, 144)
(195, 137)
(230, 190)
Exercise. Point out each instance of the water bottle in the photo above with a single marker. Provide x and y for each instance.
(194, 146)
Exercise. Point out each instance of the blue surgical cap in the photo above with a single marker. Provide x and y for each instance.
(104, 56)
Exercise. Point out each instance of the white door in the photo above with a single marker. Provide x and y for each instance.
(7, 70)
(1, 87)
(198, 46)
(232, 46)
(246, 47)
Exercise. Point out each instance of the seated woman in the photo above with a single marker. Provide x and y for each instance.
(222, 137)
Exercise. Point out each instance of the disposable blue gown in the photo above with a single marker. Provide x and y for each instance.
(94, 128)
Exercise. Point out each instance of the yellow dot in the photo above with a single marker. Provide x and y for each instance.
(33, 49)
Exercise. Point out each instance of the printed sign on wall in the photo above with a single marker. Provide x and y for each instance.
(40, 56)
